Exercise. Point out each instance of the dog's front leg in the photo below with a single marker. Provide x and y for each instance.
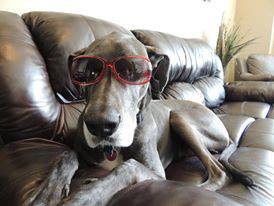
(99, 192)
(148, 155)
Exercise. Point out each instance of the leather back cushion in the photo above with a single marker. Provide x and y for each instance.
(183, 90)
(58, 35)
(260, 64)
(28, 106)
(191, 61)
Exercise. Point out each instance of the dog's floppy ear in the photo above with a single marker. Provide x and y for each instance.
(155, 55)
(159, 62)
(160, 73)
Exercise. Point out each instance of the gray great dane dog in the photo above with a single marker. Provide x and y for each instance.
(110, 136)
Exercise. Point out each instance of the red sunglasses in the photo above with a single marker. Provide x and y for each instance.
(88, 70)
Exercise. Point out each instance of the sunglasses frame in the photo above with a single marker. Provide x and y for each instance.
(111, 65)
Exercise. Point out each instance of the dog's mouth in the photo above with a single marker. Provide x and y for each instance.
(109, 152)
(105, 144)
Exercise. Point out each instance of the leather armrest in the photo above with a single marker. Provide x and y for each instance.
(258, 77)
(250, 91)
(240, 68)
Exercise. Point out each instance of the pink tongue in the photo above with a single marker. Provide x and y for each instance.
(111, 156)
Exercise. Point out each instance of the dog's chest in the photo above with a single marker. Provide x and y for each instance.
(111, 161)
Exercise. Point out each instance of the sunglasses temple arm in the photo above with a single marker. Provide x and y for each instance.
(65, 101)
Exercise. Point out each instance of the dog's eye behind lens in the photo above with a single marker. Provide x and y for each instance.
(78, 70)
(87, 70)
(125, 70)
(131, 70)
(93, 69)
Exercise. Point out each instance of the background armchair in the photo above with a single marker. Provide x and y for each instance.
(257, 67)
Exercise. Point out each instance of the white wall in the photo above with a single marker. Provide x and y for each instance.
(256, 19)
(185, 18)
(271, 47)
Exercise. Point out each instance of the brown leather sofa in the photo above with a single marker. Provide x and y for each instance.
(38, 99)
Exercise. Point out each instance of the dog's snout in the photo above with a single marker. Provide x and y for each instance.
(102, 127)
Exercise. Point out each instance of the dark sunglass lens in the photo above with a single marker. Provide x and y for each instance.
(133, 70)
(125, 70)
(87, 70)
(94, 69)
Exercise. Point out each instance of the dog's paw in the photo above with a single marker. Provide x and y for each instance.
(146, 174)
(140, 172)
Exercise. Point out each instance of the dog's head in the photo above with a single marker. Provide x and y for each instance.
(109, 117)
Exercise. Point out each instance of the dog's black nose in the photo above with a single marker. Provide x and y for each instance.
(102, 127)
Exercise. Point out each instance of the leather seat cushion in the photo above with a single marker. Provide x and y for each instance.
(235, 125)
(251, 109)
(259, 165)
(189, 170)
(255, 162)
(260, 134)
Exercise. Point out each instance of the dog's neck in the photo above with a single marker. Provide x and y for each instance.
(143, 105)
(139, 117)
